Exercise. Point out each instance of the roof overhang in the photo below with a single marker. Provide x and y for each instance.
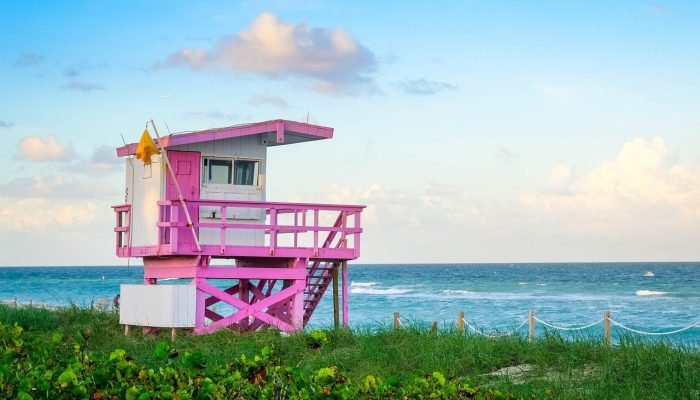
(276, 133)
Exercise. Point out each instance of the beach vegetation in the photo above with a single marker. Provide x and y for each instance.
(81, 353)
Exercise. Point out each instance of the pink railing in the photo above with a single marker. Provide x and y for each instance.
(290, 229)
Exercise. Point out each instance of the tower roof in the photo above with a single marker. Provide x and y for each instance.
(274, 133)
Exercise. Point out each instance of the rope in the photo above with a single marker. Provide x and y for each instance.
(494, 334)
(653, 333)
(564, 328)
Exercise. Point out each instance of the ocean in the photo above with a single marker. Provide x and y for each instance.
(655, 297)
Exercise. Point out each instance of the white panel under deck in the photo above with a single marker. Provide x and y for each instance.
(163, 306)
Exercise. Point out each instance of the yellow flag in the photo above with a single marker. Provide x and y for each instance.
(146, 148)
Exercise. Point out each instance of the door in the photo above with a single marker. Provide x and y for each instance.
(185, 165)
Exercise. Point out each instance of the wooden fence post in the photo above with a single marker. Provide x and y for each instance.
(397, 323)
(460, 322)
(433, 329)
(607, 332)
(531, 326)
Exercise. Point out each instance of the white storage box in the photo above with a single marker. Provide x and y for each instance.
(163, 306)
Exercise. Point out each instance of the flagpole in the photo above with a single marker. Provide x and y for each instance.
(177, 187)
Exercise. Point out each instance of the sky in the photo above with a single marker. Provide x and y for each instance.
(474, 131)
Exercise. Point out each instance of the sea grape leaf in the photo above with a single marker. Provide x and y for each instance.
(439, 377)
(162, 350)
(117, 355)
(68, 377)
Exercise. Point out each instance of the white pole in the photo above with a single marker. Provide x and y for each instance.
(177, 187)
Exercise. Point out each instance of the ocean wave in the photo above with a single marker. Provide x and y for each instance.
(362, 284)
(375, 291)
(646, 292)
(450, 292)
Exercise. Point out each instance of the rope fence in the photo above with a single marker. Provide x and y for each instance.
(532, 320)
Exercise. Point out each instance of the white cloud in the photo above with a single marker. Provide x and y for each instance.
(424, 87)
(37, 148)
(641, 188)
(40, 215)
(560, 176)
(271, 47)
(57, 186)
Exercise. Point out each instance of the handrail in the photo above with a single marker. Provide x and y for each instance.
(312, 226)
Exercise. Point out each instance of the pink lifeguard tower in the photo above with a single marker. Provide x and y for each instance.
(199, 212)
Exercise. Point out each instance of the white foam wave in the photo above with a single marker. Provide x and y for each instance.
(450, 292)
(362, 284)
(375, 291)
(646, 292)
(522, 283)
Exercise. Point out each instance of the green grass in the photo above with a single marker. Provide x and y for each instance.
(563, 369)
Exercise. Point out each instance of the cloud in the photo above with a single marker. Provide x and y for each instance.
(560, 176)
(81, 86)
(28, 60)
(274, 101)
(423, 87)
(37, 148)
(34, 214)
(639, 189)
(56, 186)
(658, 8)
(331, 58)
(5, 124)
(505, 154)
(103, 161)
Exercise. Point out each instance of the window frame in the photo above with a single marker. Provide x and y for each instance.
(256, 176)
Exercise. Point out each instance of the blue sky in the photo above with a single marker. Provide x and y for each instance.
(474, 131)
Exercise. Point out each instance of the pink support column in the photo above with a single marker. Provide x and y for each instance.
(244, 295)
(200, 304)
(296, 311)
(345, 294)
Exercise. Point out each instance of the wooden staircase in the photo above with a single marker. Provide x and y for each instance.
(319, 275)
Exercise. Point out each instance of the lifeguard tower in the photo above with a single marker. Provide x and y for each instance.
(200, 203)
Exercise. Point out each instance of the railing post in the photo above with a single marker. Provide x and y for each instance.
(316, 232)
(607, 332)
(356, 241)
(397, 323)
(531, 326)
(273, 230)
(174, 220)
(223, 229)
(460, 322)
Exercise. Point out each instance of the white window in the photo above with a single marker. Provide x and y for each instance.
(222, 171)
(217, 171)
(246, 172)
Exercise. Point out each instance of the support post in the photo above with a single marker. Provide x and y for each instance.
(244, 295)
(607, 332)
(397, 323)
(336, 309)
(345, 293)
(460, 322)
(200, 304)
(127, 330)
(531, 326)
(173, 332)
(434, 328)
